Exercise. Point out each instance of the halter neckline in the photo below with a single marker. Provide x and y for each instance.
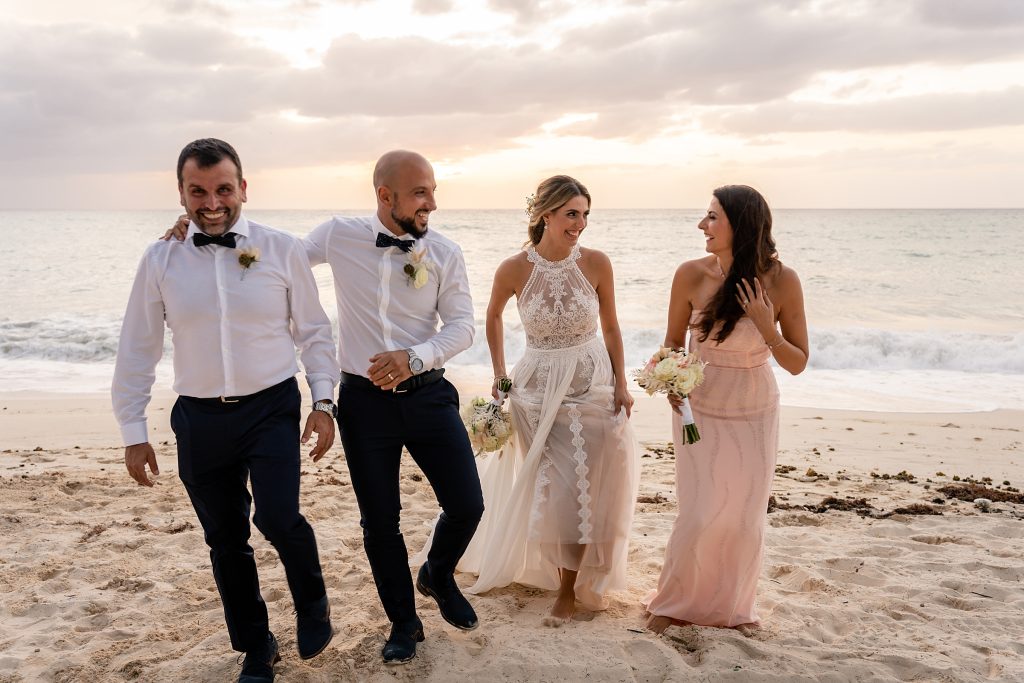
(534, 257)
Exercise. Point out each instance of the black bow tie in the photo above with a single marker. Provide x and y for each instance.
(389, 241)
(201, 239)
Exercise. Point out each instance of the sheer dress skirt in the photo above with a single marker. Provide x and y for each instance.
(574, 472)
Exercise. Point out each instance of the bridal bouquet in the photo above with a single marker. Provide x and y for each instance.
(488, 425)
(674, 372)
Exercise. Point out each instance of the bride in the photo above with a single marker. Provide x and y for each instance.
(559, 499)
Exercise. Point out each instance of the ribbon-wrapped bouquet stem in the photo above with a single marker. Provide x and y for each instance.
(489, 426)
(674, 371)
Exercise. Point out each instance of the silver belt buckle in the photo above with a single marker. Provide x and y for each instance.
(224, 400)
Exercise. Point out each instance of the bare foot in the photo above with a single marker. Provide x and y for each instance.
(562, 610)
(748, 630)
(658, 623)
(554, 622)
(565, 603)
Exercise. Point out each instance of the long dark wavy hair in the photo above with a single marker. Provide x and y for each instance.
(753, 255)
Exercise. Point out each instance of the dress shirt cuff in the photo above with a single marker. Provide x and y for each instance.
(135, 433)
(322, 390)
(426, 354)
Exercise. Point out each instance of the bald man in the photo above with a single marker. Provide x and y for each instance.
(404, 310)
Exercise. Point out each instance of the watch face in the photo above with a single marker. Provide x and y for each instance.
(416, 364)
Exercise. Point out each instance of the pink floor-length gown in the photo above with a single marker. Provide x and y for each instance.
(714, 554)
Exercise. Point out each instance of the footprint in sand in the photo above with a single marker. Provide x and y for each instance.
(273, 594)
(959, 603)
(96, 622)
(71, 487)
(797, 519)
(688, 642)
(127, 585)
(650, 662)
(474, 644)
(937, 540)
(846, 564)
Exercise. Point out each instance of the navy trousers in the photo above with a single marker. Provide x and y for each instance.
(220, 447)
(374, 425)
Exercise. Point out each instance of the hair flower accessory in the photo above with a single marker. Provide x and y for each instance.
(531, 201)
(247, 257)
(417, 267)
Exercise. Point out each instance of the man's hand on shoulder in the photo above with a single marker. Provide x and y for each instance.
(178, 230)
(323, 424)
(136, 458)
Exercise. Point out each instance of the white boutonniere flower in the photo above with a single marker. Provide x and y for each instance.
(417, 267)
(247, 257)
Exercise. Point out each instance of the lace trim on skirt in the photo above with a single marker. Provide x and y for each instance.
(576, 426)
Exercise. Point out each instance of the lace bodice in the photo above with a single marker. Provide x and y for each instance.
(558, 305)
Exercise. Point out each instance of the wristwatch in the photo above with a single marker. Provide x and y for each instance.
(328, 407)
(415, 362)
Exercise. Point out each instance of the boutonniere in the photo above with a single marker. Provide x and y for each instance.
(247, 257)
(416, 268)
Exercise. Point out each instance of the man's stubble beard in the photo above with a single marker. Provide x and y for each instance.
(408, 225)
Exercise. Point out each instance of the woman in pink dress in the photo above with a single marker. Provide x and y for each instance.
(733, 302)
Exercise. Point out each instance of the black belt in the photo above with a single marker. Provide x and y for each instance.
(414, 382)
(239, 399)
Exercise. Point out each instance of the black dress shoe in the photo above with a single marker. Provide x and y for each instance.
(258, 665)
(401, 645)
(313, 629)
(454, 607)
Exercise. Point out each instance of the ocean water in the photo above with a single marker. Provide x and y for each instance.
(909, 310)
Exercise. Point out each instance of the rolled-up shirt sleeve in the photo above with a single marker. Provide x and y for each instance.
(455, 308)
(315, 243)
(311, 328)
(138, 351)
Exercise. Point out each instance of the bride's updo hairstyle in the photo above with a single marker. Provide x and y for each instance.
(753, 255)
(551, 194)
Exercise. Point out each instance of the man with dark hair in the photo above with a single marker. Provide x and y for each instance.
(396, 281)
(239, 297)
(208, 152)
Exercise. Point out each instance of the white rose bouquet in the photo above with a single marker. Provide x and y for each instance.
(488, 425)
(671, 371)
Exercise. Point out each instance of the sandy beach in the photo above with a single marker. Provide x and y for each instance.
(105, 581)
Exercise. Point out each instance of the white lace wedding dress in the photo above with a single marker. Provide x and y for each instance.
(562, 492)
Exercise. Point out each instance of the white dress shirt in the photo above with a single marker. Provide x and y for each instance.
(234, 330)
(379, 308)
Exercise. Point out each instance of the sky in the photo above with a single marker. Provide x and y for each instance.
(652, 104)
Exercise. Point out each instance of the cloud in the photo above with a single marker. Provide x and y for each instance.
(985, 14)
(432, 6)
(898, 115)
(91, 98)
(529, 11)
